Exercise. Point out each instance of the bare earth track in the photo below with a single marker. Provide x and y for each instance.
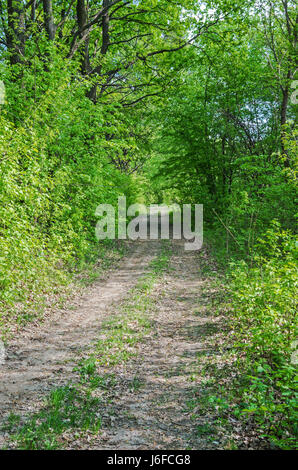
(37, 362)
(154, 416)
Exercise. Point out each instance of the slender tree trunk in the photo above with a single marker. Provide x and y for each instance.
(33, 11)
(283, 117)
(104, 47)
(105, 28)
(292, 37)
(49, 19)
(16, 31)
(82, 18)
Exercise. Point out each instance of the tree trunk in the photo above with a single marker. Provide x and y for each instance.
(82, 18)
(16, 31)
(49, 19)
(105, 28)
(104, 47)
(283, 117)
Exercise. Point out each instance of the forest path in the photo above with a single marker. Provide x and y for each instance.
(148, 405)
(40, 360)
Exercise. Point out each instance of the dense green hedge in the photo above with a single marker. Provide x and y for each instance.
(55, 169)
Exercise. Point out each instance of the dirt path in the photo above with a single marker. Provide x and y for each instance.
(155, 416)
(148, 408)
(36, 362)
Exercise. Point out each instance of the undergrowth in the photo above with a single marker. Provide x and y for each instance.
(261, 314)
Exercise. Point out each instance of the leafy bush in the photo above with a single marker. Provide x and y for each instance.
(54, 171)
(264, 297)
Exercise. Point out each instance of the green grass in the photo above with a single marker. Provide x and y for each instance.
(136, 384)
(67, 408)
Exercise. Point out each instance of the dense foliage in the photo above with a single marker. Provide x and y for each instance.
(264, 322)
(158, 100)
(71, 137)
